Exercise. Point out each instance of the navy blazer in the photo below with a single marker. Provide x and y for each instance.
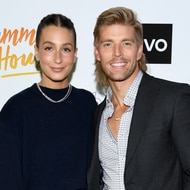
(158, 152)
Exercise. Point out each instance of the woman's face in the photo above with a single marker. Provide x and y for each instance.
(56, 53)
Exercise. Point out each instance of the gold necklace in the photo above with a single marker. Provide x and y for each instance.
(54, 101)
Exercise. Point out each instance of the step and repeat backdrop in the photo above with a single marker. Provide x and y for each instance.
(166, 39)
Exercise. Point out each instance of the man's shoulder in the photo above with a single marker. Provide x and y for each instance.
(161, 81)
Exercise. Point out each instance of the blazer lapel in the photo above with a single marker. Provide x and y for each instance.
(142, 110)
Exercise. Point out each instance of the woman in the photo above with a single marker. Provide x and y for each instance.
(51, 120)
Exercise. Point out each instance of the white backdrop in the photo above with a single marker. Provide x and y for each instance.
(26, 14)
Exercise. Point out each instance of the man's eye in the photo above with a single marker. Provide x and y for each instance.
(127, 43)
(107, 44)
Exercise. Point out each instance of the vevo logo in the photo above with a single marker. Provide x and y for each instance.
(158, 44)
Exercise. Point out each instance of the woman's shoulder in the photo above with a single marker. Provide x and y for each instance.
(82, 92)
(21, 96)
(83, 95)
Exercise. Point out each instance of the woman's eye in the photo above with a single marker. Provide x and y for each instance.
(66, 50)
(48, 48)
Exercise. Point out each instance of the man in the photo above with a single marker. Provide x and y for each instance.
(142, 128)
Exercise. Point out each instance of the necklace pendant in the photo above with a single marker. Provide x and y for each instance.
(117, 118)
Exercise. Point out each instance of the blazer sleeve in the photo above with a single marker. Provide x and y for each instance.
(181, 131)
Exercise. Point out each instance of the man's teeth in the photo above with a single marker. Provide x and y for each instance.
(118, 64)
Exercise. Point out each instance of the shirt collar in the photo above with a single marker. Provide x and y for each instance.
(130, 95)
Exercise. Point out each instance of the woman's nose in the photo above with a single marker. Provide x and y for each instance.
(58, 57)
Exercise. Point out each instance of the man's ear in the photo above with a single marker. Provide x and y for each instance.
(96, 53)
(140, 51)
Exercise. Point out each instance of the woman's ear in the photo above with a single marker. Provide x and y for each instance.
(76, 51)
(36, 53)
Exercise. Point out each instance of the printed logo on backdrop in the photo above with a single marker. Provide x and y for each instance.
(15, 59)
(158, 43)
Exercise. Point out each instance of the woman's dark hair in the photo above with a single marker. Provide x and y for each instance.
(56, 20)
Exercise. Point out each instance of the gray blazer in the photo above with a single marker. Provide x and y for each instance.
(158, 153)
